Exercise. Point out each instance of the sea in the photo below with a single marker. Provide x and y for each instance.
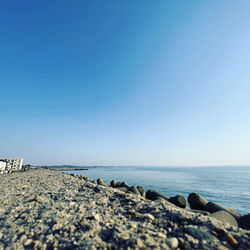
(226, 185)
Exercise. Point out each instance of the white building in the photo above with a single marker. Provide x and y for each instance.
(11, 164)
(2, 165)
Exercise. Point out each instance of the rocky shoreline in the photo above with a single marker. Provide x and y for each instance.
(46, 209)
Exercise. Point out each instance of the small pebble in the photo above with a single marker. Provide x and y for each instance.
(133, 225)
(132, 212)
(215, 233)
(38, 244)
(161, 235)
(125, 236)
(28, 242)
(139, 242)
(97, 217)
(72, 204)
(57, 226)
(150, 216)
(232, 240)
(172, 242)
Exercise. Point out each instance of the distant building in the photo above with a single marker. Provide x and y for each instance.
(2, 165)
(11, 164)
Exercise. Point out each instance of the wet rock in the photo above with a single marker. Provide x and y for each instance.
(244, 221)
(225, 217)
(141, 190)
(197, 202)
(179, 201)
(213, 207)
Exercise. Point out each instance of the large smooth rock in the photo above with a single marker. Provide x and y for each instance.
(154, 195)
(225, 217)
(213, 207)
(125, 184)
(134, 190)
(100, 181)
(113, 183)
(197, 202)
(164, 202)
(179, 201)
(149, 195)
(118, 184)
(141, 190)
(244, 221)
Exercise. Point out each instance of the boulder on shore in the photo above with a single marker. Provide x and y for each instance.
(225, 217)
(213, 207)
(154, 195)
(100, 181)
(118, 184)
(141, 190)
(244, 221)
(113, 183)
(179, 201)
(125, 184)
(197, 202)
(134, 190)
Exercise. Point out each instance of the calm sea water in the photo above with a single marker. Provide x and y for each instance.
(228, 186)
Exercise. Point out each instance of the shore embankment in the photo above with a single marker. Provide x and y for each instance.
(46, 209)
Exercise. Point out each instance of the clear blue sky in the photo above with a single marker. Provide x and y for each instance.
(125, 82)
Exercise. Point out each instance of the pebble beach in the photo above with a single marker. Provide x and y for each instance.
(47, 209)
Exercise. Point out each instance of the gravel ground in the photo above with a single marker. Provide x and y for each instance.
(46, 209)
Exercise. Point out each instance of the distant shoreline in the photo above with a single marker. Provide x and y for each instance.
(69, 169)
(63, 168)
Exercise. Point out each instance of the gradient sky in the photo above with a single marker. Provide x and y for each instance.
(125, 82)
